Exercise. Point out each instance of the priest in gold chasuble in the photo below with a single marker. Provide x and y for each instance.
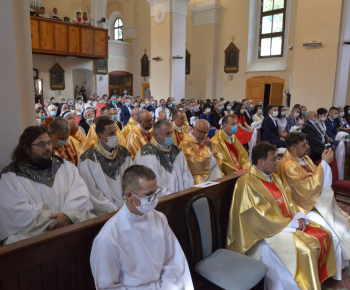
(141, 134)
(310, 186)
(267, 225)
(133, 122)
(179, 127)
(234, 156)
(75, 133)
(204, 161)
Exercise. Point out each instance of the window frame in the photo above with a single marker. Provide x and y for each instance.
(119, 28)
(272, 34)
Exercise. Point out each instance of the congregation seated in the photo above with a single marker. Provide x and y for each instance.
(191, 112)
(42, 116)
(234, 156)
(248, 111)
(270, 127)
(115, 118)
(292, 118)
(266, 224)
(179, 127)
(55, 15)
(81, 20)
(217, 114)
(347, 114)
(133, 122)
(74, 131)
(136, 248)
(151, 106)
(166, 159)
(206, 114)
(162, 116)
(244, 133)
(282, 121)
(320, 124)
(86, 121)
(102, 167)
(126, 111)
(42, 13)
(40, 191)
(162, 108)
(258, 114)
(332, 126)
(341, 121)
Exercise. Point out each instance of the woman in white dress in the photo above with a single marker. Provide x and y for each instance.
(258, 116)
(282, 121)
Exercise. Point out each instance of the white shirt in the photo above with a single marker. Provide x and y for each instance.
(56, 15)
(138, 252)
(45, 15)
(282, 124)
(166, 110)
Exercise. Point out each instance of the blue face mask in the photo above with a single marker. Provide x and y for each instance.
(42, 117)
(163, 105)
(62, 143)
(170, 105)
(143, 105)
(349, 112)
(153, 102)
(128, 104)
(223, 102)
(53, 113)
(174, 102)
(234, 129)
(80, 101)
(304, 113)
(335, 116)
(314, 120)
(251, 106)
(220, 108)
(229, 108)
(168, 141)
(114, 117)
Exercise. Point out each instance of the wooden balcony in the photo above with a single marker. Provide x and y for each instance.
(60, 38)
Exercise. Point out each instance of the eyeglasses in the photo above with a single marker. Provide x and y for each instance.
(43, 144)
(200, 131)
(151, 197)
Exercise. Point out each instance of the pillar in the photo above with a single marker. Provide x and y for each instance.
(168, 40)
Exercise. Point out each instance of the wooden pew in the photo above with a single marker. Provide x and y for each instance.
(347, 161)
(60, 259)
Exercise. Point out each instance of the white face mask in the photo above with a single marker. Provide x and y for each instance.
(147, 102)
(101, 102)
(283, 113)
(341, 114)
(112, 141)
(324, 119)
(208, 110)
(260, 111)
(73, 111)
(275, 113)
(90, 120)
(146, 206)
(242, 111)
(296, 115)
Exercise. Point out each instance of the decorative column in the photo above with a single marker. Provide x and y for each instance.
(206, 21)
(168, 45)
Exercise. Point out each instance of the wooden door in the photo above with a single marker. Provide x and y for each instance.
(120, 81)
(255, 92)
(145, 91)
(276, 96)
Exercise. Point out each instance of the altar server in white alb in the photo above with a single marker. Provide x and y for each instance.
(166, 159)
(136, 249)
(40, 191)
(102, 167)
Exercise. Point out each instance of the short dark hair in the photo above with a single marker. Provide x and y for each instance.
(225, 119)
(294, 138)
(322, 111)
(176, 112)
(267, 110)
(28, 136)
(101, 124)
(78, 13)
(333, 109)
(38, 110)
(105, 109)
(261, 151)
(131, 177)
(206, 105)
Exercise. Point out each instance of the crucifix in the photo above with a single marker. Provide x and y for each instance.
(159, 14)
(232, 38)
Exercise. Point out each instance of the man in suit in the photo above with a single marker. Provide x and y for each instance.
(314, 136)
(151, 107)
(292, 118)
(113, 103)
(126, 111)
(217, 115)
(248, 111)
(270, 128)
(331, 124)
(191, 112)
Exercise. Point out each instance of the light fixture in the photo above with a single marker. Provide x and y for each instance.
(157, 58)
(178, 57)
(313, 43)
(346, 41)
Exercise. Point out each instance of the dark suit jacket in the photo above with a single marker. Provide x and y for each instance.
(331, 128)
(126, 114)
(270, 132)
(150, 108)
(314, 138)
(189, 115)
(248, 118)
(112, 106)
(216, 117)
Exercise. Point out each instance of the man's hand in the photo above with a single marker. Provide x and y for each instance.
(330, 139)
(328, 155)
(302, 225)
(189, 128)
(61, 220)
(207, 141)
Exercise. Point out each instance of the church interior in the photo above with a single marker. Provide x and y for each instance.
(285, 53)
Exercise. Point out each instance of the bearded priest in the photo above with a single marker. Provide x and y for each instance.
(166, 159)
(202, 158)
(310, 186)
(234, 156)
(102, 167)
(266, 224)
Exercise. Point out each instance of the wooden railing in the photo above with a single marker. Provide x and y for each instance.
(60, 259)
(61, 38)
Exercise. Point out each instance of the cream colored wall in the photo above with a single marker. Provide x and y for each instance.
(114, 5)
(63, 8)
(348, 90)
(314, 68)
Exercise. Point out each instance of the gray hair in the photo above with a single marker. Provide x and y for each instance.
(59, 125)
(131, 177)
(47, 102)
(51, 107)
(225, 120)
(202, 121)
(157, 127)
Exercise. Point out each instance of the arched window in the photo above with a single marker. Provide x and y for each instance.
(118, 32)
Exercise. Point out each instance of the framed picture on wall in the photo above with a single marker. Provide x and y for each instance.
(57, 82)
(231, 59)
(102, 66)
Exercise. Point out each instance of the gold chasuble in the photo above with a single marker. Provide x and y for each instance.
(234, 156)
(128, 127)
(136, 139)
(198, 158)
(71, 152)
(261, 210)
(179, 136)
(81, 140)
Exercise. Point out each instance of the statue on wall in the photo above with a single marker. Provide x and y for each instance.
(145, 65)
(231, 58)
(83, 91)
(57, 82)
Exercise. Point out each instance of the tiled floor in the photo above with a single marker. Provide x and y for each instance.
(331, 284)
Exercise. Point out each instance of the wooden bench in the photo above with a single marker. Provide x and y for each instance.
(60, 259)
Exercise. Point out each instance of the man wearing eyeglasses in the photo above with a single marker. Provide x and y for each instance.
(166, 159)
(102, 167)
(311, 188)
(136, 249)
(203, 159)
(40, 191)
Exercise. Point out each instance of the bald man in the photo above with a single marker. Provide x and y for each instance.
(314, 136)
(141, 134)
(203, 159)
(133, 122)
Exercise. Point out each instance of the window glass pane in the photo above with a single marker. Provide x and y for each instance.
(112, 80)
(120, 80)
(268, 5)
(128, 80)
(265, 46)
(120, 34)
(266, 24)
(277, 23)
(120, 22)
(116, 33)
(276, 47)
(116, 24)
(278, 4)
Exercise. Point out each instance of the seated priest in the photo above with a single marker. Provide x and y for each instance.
(166, 159)
(136, 248)
(202, 158)
(102, 167)
(40, 191)
(310, 187)
(234, 156)
(141, 134)
(267, 225)
(133, 122)
(269, 130)
(179, 126)
(63, 144)
(74, 131)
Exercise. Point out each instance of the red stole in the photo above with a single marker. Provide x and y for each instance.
(232, 149)
(321, 235)
(79, 19)
(179, 136)
(85, 19)
(67, 153)
(307, 168)
(147, 136)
